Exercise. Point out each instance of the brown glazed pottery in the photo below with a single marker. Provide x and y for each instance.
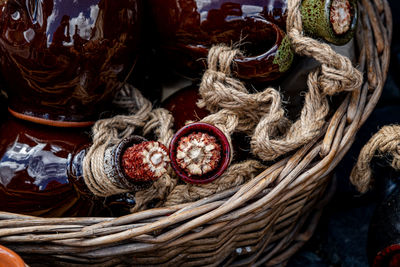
(9, 258)
(188, 28)
(41, 172)
(63, 60)
(182, 106)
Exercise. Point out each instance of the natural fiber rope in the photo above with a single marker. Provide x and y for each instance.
(160, 123)
(108, 132)
(386, 141)
(237, 174)
(336, 74)
(233, 108)
(337, 71)
(261, 115)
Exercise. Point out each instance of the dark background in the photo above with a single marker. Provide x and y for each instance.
(341, 236)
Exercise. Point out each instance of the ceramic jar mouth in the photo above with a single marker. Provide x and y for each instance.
(318, 19)
(267, 52)
(113, 163)
(10, 258)
(224, 148)
(270, 62)
(343, 38)
(389, 256)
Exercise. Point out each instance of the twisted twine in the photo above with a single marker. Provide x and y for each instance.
(337, 71)
(386, 141)
(261, 115)
(236, 175)
(160, 123)
(108, 132)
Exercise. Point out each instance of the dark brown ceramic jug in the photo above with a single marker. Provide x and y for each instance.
(41, 171)
(63, 60)
(39, 174)
(188, 28)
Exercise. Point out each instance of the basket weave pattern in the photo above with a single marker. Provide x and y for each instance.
(265, 221)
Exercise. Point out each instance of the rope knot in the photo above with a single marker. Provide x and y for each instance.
(340, 76)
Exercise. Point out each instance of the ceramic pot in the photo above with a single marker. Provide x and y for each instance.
(41, 172)
(188, 28)
(199, 153)
(63, 60)
(9, 258)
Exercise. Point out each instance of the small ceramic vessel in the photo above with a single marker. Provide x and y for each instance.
(199, 153)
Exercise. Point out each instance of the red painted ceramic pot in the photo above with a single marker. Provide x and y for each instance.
(63, 60)
(188, 28)
(199, 153)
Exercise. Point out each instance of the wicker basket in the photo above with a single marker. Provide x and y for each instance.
(262, 222)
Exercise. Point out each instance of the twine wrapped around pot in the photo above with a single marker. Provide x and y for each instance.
(262, 220)
(386, 141)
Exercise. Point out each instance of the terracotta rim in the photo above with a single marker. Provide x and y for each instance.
(10, 258)
(225, 152)
(62, 124)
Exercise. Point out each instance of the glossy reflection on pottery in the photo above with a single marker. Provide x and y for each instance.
(188, 28)
(41, 172)
(9, 258)
(63, 60)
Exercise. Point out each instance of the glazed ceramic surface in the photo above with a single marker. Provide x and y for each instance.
(41, 172)
(188, 28)
(9, 258)
(62, 60)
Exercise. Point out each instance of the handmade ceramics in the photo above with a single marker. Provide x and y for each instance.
(9, 258)
(41, 171)
(182, 105)
(199, 153)
(188, 28)
(63, 60)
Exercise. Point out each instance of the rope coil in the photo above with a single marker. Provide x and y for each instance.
(386, 141)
